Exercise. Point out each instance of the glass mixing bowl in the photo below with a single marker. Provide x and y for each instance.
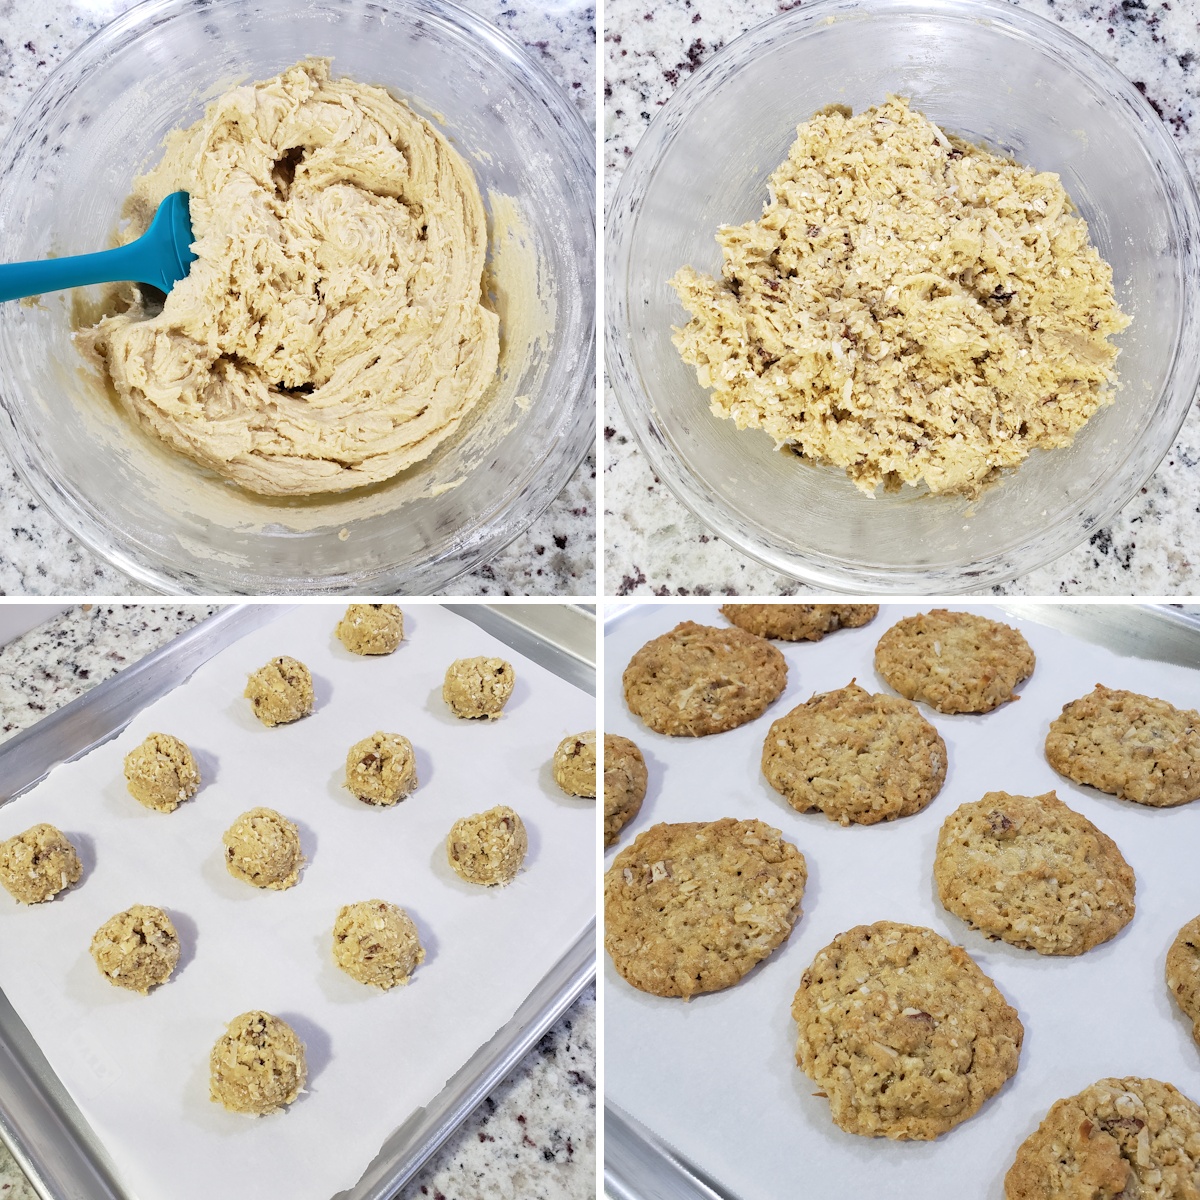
(990, 73)
(65, 171)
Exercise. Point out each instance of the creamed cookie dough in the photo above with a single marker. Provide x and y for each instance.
(377, 943)
(161, 773)
(38, 864)
(137, 949)
(371, 629)
(489, 847)
(257, 1065)
(910, 307)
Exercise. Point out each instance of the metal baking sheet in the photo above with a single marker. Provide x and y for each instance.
(41, 1124)
(734, 1129)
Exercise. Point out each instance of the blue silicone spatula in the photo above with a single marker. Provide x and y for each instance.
(160, 257)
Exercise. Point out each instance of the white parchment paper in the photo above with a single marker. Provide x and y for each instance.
(716, 1077)
(138, 1065)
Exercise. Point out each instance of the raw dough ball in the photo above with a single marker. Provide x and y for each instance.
(263, 848)
(137, 949)
(257, 1065)
(162, 773)
(488, 847)
(381, 769)
(38, 864)
(377, 943)
(281, 691)
(575, 764)
(478, 687)
(371, 628)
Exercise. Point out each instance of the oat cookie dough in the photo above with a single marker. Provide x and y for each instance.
(381, 769)
(257, 1066)
(575, 765)
(956, 662)
(909, 307)
(903, 1032)
(489, 847)
(692, 907)
(371, 628)
(137, 949)
(1120, 1139)
(263, 848)
(376, 943)
(478, 687)
(332, 330)
(1134, 747)
(856, 757)
(624, 784)
(798, 622)
(1032, 872)
(698, 680)
(1183, 972)
(161, 773)
(280, 691)
(38, 864)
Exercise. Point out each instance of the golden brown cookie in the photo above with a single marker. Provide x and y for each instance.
(381, 769)
(1183, 972)
(371, 628)
(624, 784)
(1120, 1139)
(488, 848)
(137, 949)
(903, 1032)
(691, 908)
(257, 1065)
(38, 864)
(575, 765)
(478, 687)
(798, 622)
(957, 662)
(698, 680)
(280, 691)
(161, 773)
(1134, 747)
(1032, 872)
(855, 756)
(377, 943)
(263, 848)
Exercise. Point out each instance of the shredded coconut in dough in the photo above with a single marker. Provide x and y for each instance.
(331, 332)
(909, 307)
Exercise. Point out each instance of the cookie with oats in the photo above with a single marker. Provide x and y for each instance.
(858, 758)
(1120, 1139)
(956, 662)
(624, 784)
(1032, 872)
(692, 907)
(575, 765)
(903, 1032)
(1183, 972)
(798, 622)
(698, 680)
(1131, 746)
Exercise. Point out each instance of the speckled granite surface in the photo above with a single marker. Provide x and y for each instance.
(655, 545)
(557, 555)
(533, 1138)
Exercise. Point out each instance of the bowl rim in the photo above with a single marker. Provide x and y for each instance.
(819, 570)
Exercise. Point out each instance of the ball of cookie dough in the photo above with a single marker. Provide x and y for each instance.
(137, 949)
(478, 687)
(376, 943)
(161, 773)
(38, 864)
(575, 764)
(281, 691)
(489, 847)
(371, 628)
(257, 1066)
(263, 848)
(381, 769)
(624, 784)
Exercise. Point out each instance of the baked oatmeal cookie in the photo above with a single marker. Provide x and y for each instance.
(1183, 972)
(624, 784)
(38, 864)
(798, 622)
(137, 949)
(381, 769)
(263, 848)
(281, 691)
(257, 1065)
(575, 765)
(489, 847)
(371, 628)
(377, 943)
(478, 687)
(161, 773)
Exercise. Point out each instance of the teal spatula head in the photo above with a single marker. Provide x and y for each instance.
(160, 257)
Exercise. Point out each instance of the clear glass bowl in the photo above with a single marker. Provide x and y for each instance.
(65, 171)
(992, 74)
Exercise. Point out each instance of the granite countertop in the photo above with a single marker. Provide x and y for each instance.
(556, 556)
(534, 1137)
(653, 544)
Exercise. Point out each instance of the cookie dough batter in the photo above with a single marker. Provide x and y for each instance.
(909, 307)
(161, 773)
(257, 1065)
(281, 691)
(376, 943)
(381, 769)
(478, 687)
(263, 848)
(371, 628)
(489, 847)
(331, 332)
(38, 864)
(137, 949)
(575, 765)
